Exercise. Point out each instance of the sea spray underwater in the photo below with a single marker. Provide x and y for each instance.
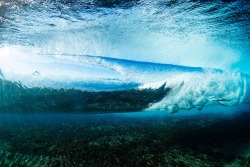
(61, 58)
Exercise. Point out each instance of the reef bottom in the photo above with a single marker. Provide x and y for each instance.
(117, 140)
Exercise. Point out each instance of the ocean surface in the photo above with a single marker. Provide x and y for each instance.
(124, 83)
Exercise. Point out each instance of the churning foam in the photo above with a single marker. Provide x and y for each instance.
(210, 88)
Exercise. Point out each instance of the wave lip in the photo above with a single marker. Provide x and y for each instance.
(190, 87)
(105, 85)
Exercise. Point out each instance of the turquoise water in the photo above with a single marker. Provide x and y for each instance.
(124, 77)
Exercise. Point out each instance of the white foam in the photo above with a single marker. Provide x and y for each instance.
(199, 90)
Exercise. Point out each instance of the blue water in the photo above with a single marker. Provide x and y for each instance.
(198, 49)
(124, 83)
(205, 34)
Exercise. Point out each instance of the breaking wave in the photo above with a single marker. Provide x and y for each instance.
(157, 55)
(101, 84)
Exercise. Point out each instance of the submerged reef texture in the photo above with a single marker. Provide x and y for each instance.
(115, 140)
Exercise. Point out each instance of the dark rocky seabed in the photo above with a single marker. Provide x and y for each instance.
(118, 140)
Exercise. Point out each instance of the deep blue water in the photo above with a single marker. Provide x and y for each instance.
(107, 74)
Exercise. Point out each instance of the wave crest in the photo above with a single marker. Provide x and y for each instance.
(121, 84)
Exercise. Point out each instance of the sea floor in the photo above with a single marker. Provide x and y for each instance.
(118, 140)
